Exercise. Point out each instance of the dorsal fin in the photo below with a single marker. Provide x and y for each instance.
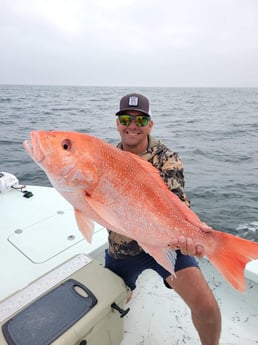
(150, 169)
(186, 212)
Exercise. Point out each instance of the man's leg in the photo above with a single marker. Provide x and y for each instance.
(193, 288)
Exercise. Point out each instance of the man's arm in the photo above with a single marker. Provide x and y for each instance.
(172, 172)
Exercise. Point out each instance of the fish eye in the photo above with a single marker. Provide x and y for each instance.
(67, 144)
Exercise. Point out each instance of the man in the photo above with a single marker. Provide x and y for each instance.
(127, 259)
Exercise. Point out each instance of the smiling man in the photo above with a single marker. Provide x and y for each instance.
(127, 259)
(134, 123)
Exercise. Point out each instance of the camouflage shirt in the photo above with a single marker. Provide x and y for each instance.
(171, 170)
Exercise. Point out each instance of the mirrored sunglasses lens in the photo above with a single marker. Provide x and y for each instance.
(141, 121)
(125, 120)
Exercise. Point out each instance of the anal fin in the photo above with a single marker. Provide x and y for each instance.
(166, 257)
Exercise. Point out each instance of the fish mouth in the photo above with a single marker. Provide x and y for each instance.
(32, 147)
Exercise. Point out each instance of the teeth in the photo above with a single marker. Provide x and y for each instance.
(132, 133)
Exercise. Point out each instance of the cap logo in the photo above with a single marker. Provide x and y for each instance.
(133, 100)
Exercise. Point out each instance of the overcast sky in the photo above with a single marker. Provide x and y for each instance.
(129, 42)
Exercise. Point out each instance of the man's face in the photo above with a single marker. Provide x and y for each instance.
(133, 135)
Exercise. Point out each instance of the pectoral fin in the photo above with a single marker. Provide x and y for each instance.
(85, 225)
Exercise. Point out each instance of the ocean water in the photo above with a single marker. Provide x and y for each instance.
(214, 130)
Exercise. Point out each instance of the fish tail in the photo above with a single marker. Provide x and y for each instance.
(230, 256)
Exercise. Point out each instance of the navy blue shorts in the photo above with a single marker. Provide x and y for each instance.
(129, 269)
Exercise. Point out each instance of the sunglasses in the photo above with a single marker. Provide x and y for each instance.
(140, 120)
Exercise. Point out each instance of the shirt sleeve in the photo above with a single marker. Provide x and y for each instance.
(172, 171)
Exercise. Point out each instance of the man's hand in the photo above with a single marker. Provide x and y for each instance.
(187, 246)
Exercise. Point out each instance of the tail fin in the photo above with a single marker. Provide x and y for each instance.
(231, 256)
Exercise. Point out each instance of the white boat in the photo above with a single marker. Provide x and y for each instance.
(41, 248)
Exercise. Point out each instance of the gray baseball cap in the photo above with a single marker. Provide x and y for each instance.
(134, 101)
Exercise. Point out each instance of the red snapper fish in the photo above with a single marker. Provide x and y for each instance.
(124, 193)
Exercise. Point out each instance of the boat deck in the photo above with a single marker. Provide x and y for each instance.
(39, 233)
(160, 317)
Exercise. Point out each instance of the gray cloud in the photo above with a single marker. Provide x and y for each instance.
(129, 42)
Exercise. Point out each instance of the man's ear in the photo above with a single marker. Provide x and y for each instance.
(151, 124)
